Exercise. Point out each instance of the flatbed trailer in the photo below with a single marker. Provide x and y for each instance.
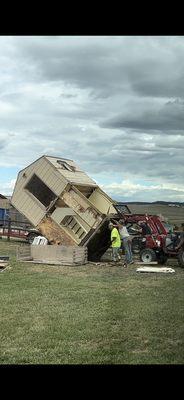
(20, 233)
(7, 229)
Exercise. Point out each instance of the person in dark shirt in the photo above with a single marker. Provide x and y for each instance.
(145, 229)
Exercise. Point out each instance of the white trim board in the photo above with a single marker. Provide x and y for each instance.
(155, 269)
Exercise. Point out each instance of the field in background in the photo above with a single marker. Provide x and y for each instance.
(175, 215)
(89, 314)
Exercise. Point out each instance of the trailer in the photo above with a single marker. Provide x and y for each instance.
(4, 216)
(7, 229)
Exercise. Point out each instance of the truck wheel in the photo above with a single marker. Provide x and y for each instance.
(31, 237)
(181, 259)
(148, 255)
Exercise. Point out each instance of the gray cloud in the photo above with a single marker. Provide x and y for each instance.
(113, 104)
(2, 145)
(169, 117)
(150, 66)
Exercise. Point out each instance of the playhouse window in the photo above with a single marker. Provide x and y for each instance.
(40, 190)
(65, 165)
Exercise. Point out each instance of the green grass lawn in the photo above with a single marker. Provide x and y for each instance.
(89, 314)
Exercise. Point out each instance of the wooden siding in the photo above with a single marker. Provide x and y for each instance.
(28, 207)
(4, 203)
(58, 216)
(82, 207)
(24, 201)
(53, 161)
(61, 212)
(77, 177)
(102, 202)
(60, 255)
(64, 255)
(56, 179)
(48, 174)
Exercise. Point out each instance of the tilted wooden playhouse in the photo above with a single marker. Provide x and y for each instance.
(62, 202)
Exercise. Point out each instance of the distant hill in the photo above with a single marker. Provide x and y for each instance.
(172, 211)
(155, 202)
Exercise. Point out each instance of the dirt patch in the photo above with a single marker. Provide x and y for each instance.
(54, 233)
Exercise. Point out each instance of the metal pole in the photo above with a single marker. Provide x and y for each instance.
(9, 229)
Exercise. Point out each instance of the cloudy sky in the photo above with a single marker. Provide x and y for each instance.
(114, 104)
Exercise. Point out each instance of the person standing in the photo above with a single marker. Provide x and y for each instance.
(115, 242)
(145, 229)
(126, 239)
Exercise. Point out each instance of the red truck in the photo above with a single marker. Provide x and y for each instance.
(11, 231)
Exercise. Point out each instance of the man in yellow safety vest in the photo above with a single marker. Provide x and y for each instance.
(115, 242)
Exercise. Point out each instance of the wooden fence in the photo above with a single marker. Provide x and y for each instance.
(53, 254)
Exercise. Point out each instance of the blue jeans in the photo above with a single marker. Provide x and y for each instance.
(115, 253)
(128, 250)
